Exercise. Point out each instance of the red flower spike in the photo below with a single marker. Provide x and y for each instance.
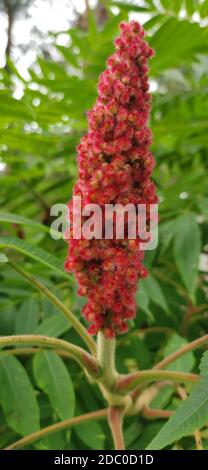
(115, 165)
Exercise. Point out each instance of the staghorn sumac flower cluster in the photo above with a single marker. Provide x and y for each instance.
(115, 165)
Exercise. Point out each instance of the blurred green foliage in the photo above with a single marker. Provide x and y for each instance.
(39, 133)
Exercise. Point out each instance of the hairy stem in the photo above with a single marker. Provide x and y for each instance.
(128, 382)
(80, 329)
(88, 362)
(28, 351)
(106, 358)
(115, 419)
(67, 423)
(156, 413)
(197, 343)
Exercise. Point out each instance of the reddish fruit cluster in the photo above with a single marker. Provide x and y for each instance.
(115, 167)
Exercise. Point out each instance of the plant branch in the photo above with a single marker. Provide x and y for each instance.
(80, 329)
(88, 362)
(129, 382)
(67, 423)
(28, 351)
(156, 413)
(175, 355)
(197, 343)
(115, 420)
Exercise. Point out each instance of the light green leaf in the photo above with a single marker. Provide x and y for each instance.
(191, 415)
(27, 317)
(17, 397)
(53, 378)
(130, 6)
(191, 6)
(142, 300)
(92, 30)
(3, 258)
(34, 252)
(184, 363)
(188, 39)
(204, 9)
(187, 247)
(155, 292)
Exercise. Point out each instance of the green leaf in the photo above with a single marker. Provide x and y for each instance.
(132, 432)
(129, 6)
(92, 29)
(163, 397)
(189, 38)
(53, 378)
(18, 219)
(202, 203)
(27, 317)
(204, 365)
(91, 434)
(191, 415)
(155, 293)
(204, 9)
(7, 320)
(55, 326)
(151, 429)
(166, 4)
(14, 70)
(191, 6)
(69, 55)
(176, 5)
(55, 441)
(17, 397)
(3, 258)
(142, 300)
(187, 247)
(36, 253)
(184, 363)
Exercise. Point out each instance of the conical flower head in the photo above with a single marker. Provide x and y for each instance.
(115, 166)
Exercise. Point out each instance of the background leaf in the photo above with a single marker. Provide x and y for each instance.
(27, 317)
(191, 415)
(184, 363)
(187, 249)
(53, 378)
(17, 397)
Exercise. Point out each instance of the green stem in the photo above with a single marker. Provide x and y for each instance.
(80, 329)
(106, 358)
(67, 423)
(88, 362)
(129, 382)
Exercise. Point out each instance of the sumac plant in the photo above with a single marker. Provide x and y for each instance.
(114, 166)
